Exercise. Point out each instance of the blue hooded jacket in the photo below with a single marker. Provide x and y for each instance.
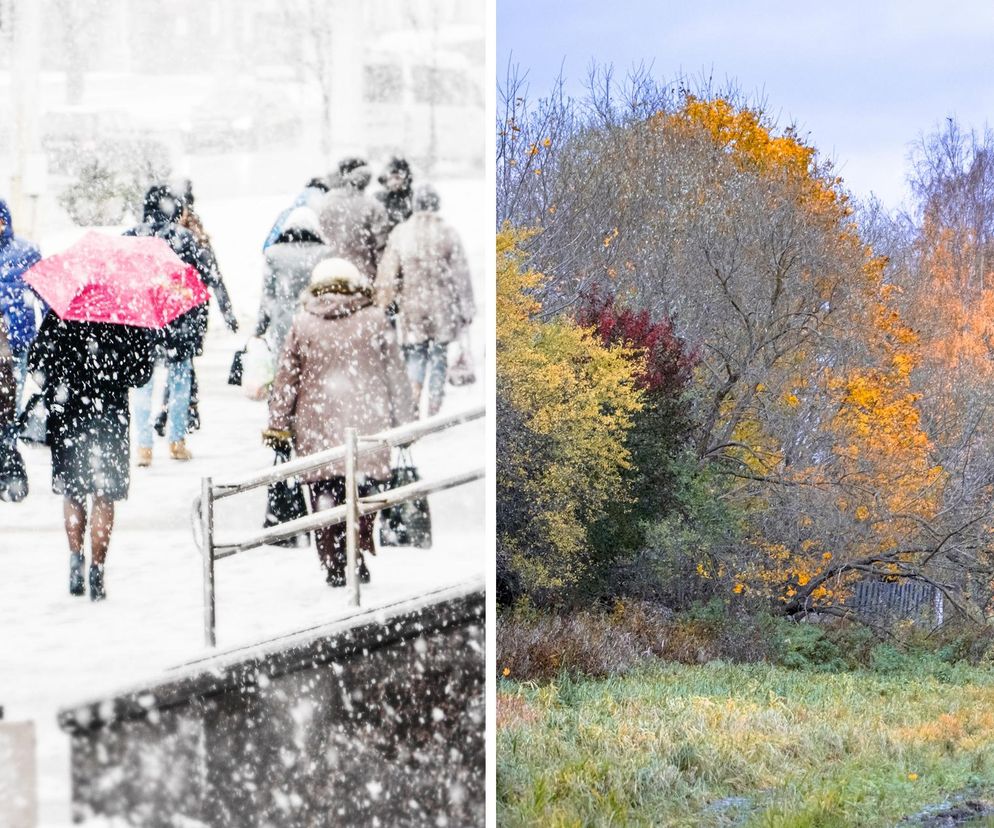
(16, 256)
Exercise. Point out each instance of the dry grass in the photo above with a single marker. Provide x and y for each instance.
(742, 745)
(542, 647)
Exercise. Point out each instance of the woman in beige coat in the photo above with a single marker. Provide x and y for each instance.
(340, 367)
(424, 271)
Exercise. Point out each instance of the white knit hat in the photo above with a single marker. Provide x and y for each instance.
(338, 273)
(302, 218)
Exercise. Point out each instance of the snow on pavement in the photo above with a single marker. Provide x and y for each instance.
(56, 650)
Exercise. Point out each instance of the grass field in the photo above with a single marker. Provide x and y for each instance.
(749, 745)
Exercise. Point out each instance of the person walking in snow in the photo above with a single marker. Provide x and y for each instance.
(289, 262)
(425, 272)
(340, 368)
(354, 225)
(86, 370)
(191, 221)
(397, 197)
(182, 339)
(17, 303)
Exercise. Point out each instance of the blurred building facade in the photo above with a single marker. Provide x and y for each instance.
(328, 77)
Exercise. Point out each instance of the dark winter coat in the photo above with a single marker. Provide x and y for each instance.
(16, 302)
(289, 263)
(87, 369)
(191, 221)
(354, 227)
(398, 203)
(341, 367)
(183, 338)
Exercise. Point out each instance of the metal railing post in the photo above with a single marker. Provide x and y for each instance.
(207, 524)
(351, 517)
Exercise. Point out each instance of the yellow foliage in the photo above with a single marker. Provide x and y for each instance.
(576, 392)
(742, 133)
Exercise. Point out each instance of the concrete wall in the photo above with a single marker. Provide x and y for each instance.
(18, 801)
(378, 719)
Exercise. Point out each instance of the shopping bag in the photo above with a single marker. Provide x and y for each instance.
(237, 369)
(258, 368)
(408, 523)
(285, 501)
(13, 475)
(461, 371)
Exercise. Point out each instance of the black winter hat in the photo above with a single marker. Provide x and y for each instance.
(396, 165)
(346, 165)
(162, 205)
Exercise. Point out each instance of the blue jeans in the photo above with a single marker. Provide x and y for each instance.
(431, 358)
(178, 381)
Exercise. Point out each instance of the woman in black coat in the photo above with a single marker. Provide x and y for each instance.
(87, 369)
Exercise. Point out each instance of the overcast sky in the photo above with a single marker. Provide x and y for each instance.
(862, 80)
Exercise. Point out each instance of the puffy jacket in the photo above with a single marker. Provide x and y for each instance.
(16, 300)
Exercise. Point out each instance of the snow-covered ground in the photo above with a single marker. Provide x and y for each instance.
(56, 650)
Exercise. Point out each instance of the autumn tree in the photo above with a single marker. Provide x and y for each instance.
(568, 402)
(836, 401)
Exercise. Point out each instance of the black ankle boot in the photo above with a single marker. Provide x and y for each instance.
(363, 574)
(97, 591)
(77, 586)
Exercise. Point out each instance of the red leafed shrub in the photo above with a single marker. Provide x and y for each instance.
(669, 364)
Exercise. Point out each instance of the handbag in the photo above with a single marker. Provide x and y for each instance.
(285, 501)
(13, 475)
(236, 369)
(407, 523)
(461, 371)
(32, 422)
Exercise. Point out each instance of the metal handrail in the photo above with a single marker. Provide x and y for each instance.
(328, 517)
(349, 512)
(391, 437)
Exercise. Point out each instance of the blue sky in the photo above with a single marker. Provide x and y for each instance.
(862, 80)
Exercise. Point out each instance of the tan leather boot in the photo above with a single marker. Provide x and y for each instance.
(179, 451)
(144, 456)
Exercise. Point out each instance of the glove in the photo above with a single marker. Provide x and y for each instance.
(232, 323)
(277, 439)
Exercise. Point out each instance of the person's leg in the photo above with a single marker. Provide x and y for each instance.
(416, 360)
(193, 418)
(366, 536)
(438, 366)
(141, 407)
(74, 514)
(101, 526)
(179, 408)
(330, 541)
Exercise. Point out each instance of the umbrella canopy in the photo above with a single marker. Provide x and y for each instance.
(126, 280)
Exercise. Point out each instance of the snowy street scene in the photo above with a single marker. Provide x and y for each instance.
(275, 210)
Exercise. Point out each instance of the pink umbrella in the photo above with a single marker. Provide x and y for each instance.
(127, 280)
